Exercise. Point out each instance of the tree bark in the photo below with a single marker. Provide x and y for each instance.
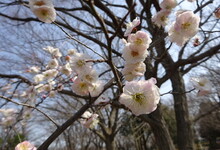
(110, 143)
(184, 129)
(159, 129)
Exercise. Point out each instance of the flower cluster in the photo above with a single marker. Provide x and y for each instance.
(134, 53)
(89, 120)
(141, 97)
(76, 67)
(161, 18)
(86, 82)
(185, 27)
(43, 9)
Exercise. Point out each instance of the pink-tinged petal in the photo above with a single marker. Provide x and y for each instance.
(141, 97)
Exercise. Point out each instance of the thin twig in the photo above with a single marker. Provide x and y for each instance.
(171, 92)
(30, 106)
(71, 37)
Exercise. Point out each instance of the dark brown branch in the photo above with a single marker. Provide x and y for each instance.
(212, 51)
(12, 76)
(64, 126)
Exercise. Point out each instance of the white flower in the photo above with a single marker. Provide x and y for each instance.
(89, 120)
(78, 62)
(168, 4)
(71, 52)
(81, 87)
(187, 23)
(177, 37)
(66, 69)
(55, 52)
(44, 10)
(52, 94)
(185, 27)
(160, 19)
(132, 71)
(131, 25)
(48, 87)
(53, 64)
(25, 146)
(89, 75)
(96, 88)
(134, 54)
(203, 85)
(34, 69)
(38, 78)
(140, 40)
(141, 97)
(50, 73)
(26, 113)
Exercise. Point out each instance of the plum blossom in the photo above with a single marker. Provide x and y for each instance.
(34, 69)
(140, 40)
(141, 97)
(49, 74)
(81, 87)
(134, 55)
(26, 145)
(71, 52)
(66, 69)
(185, 27)
(203, 85)
(132, 71)
(168, 4)
(52, 94)
(78, 62)
(161, 18)
(44, 10)
(38, 78)
(97, 88)
(131, 25)
(55, 52)
(187, 22)
(89, 120)
(89, 75)
(53, 63)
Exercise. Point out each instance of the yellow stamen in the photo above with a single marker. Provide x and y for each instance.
(186, 25)
(138, 97)
(138, 41)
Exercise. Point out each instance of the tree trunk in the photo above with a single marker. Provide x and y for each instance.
(160, 131)
(184, 129)
(110, 144)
